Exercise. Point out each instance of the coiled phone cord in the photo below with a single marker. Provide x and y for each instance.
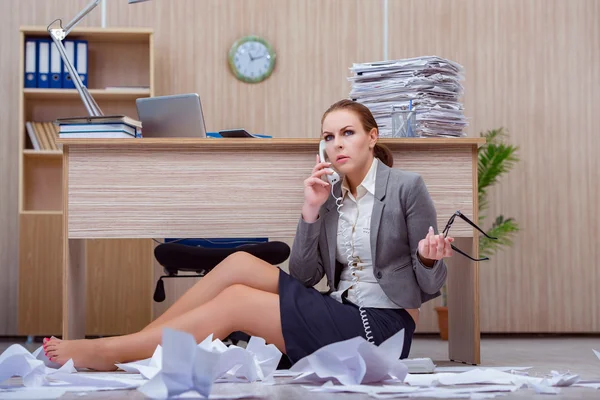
(348, 243)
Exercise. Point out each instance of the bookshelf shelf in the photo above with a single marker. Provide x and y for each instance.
(98, 94)
(47, 212)
(96, 34)
(42, 153)
(121, 59)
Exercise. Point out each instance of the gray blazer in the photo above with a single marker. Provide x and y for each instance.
(402, 214)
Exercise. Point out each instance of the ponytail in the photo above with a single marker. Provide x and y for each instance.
(384, 155)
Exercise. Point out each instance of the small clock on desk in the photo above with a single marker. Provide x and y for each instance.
(252, 59)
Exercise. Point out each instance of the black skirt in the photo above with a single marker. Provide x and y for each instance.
(311, 320)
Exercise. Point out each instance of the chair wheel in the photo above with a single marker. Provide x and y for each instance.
(159, 292)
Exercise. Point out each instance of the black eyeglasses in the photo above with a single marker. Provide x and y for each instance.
(468, 221)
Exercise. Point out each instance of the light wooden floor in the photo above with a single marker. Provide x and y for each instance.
(563, 354)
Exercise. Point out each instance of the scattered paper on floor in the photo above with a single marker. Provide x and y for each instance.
(187, 366)
(181, 368)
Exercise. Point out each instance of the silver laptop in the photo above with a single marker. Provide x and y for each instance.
(171, 116)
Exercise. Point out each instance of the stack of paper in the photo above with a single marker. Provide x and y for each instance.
(431, 85)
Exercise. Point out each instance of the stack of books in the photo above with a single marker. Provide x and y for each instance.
(431, 86)
(105, 127)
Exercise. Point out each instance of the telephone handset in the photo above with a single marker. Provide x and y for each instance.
(335, 177)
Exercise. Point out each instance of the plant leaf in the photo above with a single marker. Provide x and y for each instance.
(504, 230)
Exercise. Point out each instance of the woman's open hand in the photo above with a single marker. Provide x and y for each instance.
(434, 247)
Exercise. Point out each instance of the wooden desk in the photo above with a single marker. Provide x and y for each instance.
(156, 188)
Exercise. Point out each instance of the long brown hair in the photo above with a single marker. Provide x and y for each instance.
(368, 122)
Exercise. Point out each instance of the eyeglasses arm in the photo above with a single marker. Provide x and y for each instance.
(468, 221)
(468, 256)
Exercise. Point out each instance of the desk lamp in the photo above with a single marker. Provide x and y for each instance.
(58, 35)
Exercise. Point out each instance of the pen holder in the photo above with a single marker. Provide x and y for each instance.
(404, 123)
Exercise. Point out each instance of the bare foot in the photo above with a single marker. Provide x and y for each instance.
(92, 354)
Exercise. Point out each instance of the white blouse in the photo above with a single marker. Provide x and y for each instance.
(354, 244)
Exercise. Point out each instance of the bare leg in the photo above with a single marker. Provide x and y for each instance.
(239, 268)
(238, 307)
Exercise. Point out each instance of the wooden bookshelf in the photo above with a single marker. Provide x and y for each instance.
(117, 58)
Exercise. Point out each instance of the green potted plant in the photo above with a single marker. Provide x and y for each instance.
(496, 158)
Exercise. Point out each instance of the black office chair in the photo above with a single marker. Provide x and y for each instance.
(175, 257)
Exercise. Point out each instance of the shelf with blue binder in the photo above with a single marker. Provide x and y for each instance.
(44, 68)
(105, 59)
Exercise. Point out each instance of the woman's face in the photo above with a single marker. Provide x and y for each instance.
(349, 147)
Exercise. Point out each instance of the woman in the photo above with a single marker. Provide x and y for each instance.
(381, 257)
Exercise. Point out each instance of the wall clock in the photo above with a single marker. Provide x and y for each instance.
(251, 59)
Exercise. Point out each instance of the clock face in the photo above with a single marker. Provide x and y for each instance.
(252, 59)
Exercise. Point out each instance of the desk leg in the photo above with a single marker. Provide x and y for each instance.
(463, 305)
(74, 289)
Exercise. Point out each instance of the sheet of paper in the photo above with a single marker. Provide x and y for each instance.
(489, 376)
(387, 391)
(485, 376)
(419, 365)
(97, 381)
(597, 353)
(187, 366)
(148, 368)
(479, 392)
(353, 362)
(42, 393)
(469, 368)
(267, 356)
(544, 388)
(18, 361)
(235, 396)
(588, 385)
(285, 373)
(562, 379)
(329, 387)
(75, 382)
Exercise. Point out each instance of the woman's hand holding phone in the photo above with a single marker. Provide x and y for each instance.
(316, 190)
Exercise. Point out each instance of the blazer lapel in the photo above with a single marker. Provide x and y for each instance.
(381, 181)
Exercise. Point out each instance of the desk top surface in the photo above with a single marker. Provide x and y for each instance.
(249, 143)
